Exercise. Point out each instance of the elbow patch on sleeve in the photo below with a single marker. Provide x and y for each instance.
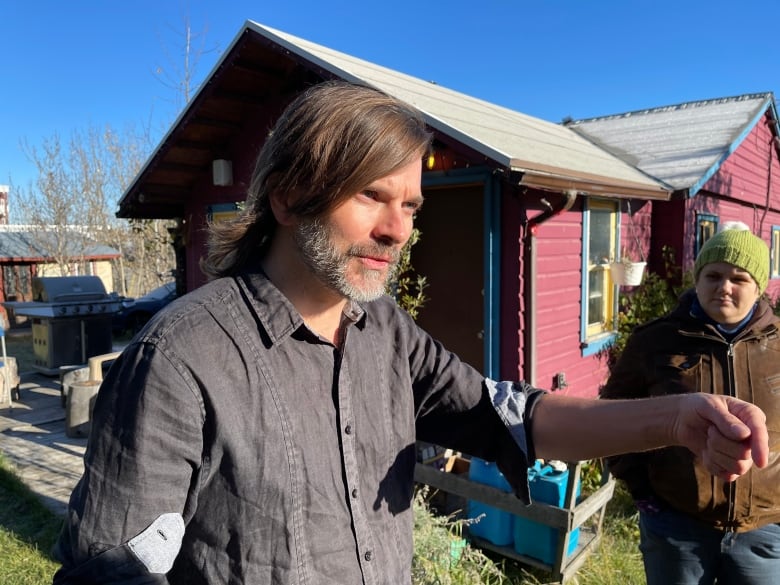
(159, 544)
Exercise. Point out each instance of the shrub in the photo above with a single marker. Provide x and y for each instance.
(441, 554)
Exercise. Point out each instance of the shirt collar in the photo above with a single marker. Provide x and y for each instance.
(277, 315)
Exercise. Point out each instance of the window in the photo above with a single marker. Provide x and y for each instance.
(222, 211)
(600, 241)
(774, 269)
(706, 226)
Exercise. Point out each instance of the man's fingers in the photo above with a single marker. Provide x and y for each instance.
(754, 419)
(726, 458)
(729, 423)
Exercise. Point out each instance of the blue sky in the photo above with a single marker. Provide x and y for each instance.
(68, 66)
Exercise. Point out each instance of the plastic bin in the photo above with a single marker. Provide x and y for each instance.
(495, 526)
(538, 540)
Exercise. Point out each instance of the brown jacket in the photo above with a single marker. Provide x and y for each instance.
(679, 353)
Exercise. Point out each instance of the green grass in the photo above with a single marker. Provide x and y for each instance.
(28, 531)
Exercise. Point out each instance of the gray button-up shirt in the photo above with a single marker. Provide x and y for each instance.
(231, 444)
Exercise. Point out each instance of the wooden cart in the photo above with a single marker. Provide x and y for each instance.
(564, 519)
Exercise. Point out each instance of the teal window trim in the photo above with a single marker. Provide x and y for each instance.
(492, 276)
(595, 345)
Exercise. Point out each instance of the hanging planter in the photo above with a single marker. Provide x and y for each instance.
(627, 273)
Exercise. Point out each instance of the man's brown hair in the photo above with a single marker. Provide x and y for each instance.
(331, 142)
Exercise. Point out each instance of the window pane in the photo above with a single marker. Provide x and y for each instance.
(9, 281)
(596, 296)
(601, 236)
(707, 228)
(775, 252)
(602, 249)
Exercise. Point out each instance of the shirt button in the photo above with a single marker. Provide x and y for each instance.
(348, 429)
(369, 555)
(354, 493)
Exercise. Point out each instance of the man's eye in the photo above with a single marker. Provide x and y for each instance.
(370, 194)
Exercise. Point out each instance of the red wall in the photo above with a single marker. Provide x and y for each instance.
(243, 152)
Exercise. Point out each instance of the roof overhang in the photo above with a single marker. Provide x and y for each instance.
(594, 186)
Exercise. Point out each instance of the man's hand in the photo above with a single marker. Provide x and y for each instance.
(726, 434)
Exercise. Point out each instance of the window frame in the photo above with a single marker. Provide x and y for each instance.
(774, 253)
(701, 219)
(594, 339)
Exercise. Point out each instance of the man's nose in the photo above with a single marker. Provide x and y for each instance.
(395, 224)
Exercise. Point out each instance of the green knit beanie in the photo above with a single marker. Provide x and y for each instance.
(737, 245)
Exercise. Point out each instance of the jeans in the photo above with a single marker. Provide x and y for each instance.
(678, 550)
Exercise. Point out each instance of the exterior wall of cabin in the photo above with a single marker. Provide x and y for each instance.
(558, 317)
(558, 284)
(243, 153)
(669, 228)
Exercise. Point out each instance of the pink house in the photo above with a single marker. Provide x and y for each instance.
(521, 219)
(719, 156)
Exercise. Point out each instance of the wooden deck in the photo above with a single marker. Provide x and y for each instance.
(33, 441)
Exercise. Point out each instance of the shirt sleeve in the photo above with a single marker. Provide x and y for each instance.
(127, 515)
(457, 407)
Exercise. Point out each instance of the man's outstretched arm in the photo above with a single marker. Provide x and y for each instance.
(726, 434)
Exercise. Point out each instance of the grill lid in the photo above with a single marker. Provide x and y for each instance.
(67, 289)
(66, 296)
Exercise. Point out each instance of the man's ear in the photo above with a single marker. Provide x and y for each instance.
(280, 209)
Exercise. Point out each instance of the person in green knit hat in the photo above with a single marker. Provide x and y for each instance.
(722, 338)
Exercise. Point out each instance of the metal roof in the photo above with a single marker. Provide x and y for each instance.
(29, 246)
(684, 144)
(512, 139)
(262, 64)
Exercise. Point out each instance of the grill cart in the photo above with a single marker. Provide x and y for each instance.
(71, 320)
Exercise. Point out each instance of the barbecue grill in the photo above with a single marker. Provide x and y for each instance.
(71, 320)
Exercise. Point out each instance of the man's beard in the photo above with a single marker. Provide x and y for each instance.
(314, 239)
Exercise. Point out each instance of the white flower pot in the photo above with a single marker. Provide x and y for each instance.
(627, 273)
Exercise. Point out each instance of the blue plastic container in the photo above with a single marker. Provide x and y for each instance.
(539, 540)
(495, 526)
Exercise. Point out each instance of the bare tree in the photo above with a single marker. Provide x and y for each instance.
(147, 258)
(51, 206)
(180, 74)
(73, 201)
(72, 204)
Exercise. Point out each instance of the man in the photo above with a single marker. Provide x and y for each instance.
(262, 428)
